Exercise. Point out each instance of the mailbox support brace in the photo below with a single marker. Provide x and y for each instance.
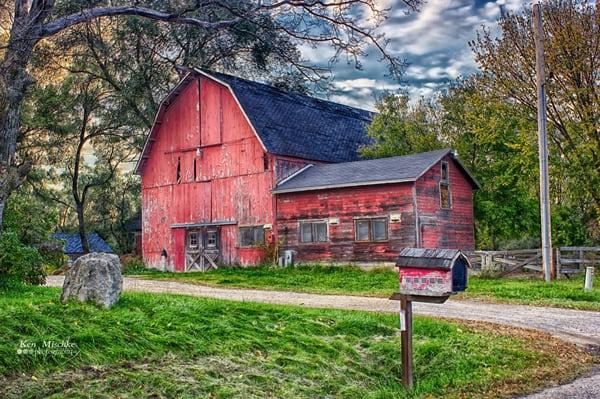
(406, 341)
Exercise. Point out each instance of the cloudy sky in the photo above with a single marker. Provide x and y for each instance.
(434, 41)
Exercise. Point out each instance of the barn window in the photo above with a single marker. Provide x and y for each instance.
(265, 162)
(194, 169)
(211, 239)
(371, 230)
(444, 172)
(178, 172)
(314, 231)
(445, 195)
(445, 200)
(193, 237)
(252, 236)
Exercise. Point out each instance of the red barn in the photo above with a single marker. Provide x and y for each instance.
(232, 165)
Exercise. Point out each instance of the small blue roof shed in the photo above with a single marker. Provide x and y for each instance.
(72, 244)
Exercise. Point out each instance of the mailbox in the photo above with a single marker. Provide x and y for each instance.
(432, 273)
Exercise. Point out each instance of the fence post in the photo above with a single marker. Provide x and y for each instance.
(589, 278)
(558, 264)
(554, 270)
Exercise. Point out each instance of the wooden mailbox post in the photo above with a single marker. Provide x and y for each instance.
(426, 275)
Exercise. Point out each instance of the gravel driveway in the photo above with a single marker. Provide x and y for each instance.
(577, 326)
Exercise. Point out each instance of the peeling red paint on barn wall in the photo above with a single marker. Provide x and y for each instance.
(222, 176)
(348, 204)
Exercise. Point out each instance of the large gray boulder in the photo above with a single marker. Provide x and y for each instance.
(95, 277)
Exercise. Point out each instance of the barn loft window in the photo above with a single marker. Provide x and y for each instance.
(445, 195)
(252, 236)
(265, 162)
(313, 231)
(444, 172)
(371, 230)
(178, 173)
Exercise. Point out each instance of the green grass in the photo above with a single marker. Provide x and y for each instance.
(562, 293)
(384, 282)
(315, 279)
(152, 345)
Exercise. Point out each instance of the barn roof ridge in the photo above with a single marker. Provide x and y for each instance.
(268, 87)
(398, 169)
(298, 125)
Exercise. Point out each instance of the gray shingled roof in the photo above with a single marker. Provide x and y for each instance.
(298, 125)
(370, 172)
(429, 258)
(72, 243)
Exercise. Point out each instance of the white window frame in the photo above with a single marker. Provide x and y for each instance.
(195, 235)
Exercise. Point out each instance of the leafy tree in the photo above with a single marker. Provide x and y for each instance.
(112, 208)
(26, 249)
(30, 217)
(399, 128)
(496, 141)
(19, 262)
(572, 50)
(25, 24)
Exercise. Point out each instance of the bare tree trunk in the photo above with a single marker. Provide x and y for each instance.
(1, 214)
(80, 199)
(14, 81)
(81, 224)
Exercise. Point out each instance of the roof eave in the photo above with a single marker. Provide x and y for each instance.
(447, 151)
(474, 181)
(342, 185)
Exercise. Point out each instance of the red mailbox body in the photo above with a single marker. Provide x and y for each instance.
(432, 272)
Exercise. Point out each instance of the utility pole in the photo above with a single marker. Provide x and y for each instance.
(538, 36)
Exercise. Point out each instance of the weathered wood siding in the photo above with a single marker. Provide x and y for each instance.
(445, 228)
(348, 204)
(204, 128)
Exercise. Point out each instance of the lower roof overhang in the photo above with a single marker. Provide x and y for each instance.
(203, 224)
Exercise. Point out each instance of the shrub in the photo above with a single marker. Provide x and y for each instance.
(133, 265)
(19, 262)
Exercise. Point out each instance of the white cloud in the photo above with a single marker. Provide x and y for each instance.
(434, 41)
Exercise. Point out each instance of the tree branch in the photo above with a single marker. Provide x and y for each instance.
(53, 27)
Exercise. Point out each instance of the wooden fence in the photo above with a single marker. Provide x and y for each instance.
(567, 260)
(571, 260)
